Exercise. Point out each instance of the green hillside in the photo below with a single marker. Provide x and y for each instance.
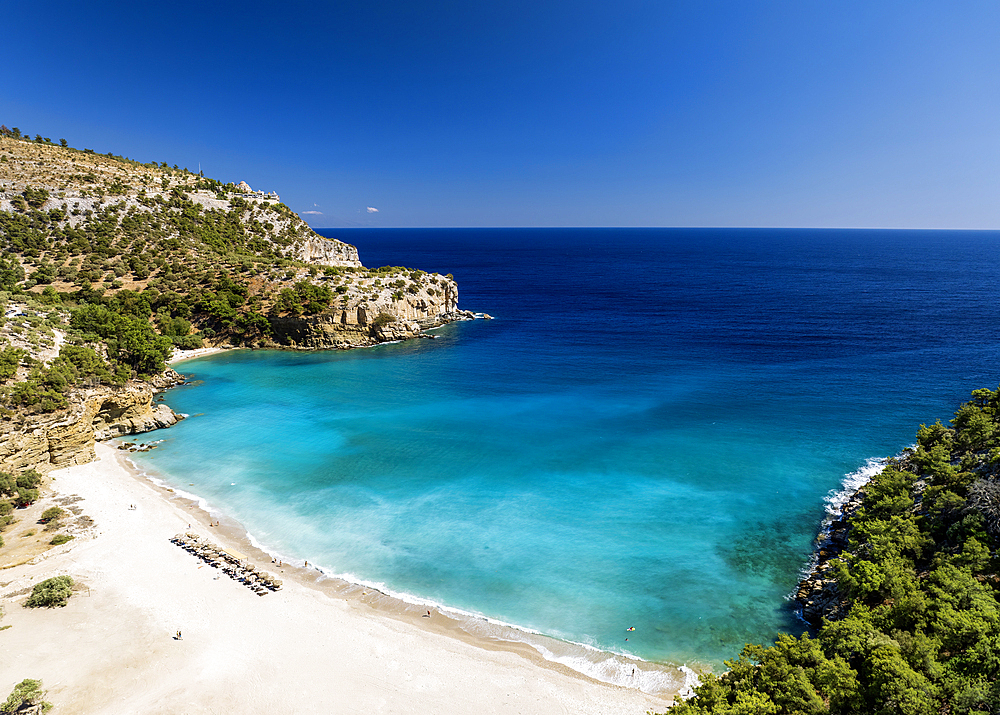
(107, 264)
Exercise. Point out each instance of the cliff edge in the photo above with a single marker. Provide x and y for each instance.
(66, 438)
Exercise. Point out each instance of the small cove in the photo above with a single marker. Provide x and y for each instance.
(643, 438)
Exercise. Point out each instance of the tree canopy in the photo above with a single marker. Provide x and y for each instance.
(919, 581)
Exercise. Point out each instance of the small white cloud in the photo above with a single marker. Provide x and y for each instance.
(372, 210)
(316, 213)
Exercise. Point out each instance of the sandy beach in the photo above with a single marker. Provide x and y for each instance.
(181, 355)
(304, 649)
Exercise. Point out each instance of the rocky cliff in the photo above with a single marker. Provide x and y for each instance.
(371, 308)
(325, 252)
(49, 442)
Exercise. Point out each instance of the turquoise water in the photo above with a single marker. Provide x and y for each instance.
(646, 441)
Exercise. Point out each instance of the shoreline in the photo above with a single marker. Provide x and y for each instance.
(318, 644)
(654, 679)
(179, 355)
(814, 594)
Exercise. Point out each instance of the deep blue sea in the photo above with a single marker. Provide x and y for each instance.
(645, 436)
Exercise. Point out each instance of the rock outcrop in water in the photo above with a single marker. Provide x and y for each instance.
(66, 438)
(368, 314)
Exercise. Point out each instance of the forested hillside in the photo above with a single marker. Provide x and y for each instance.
(107, 264)
(917, 628)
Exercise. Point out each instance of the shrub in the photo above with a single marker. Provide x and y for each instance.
(10, 359)
(6, 513)
(51, 592)
(51, 514)
(60, 539)
(35, 198)
(383, 319)
(26, 696)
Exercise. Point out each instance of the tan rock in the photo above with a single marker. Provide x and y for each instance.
(47, 442)
(326, 252)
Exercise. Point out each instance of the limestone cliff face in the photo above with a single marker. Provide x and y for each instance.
(62, 440)
(325, 252)
(370, 313)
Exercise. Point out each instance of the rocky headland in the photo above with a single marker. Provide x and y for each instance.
(235, 265)
(51, 441)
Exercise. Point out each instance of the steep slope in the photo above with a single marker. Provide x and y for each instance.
(216, 262)
(107, 264)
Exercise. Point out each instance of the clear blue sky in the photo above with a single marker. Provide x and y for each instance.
(535, 113)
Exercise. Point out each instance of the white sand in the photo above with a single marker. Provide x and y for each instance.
(179, 355)
(111, 650)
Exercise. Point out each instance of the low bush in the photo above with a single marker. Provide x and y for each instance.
(60, 539)
(27, 696)
(383, 319)
(53, 513)
(51, 592)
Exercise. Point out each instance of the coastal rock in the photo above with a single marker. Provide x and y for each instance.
(378, 320)
(47, 442)
(818, 596)
(325, 252)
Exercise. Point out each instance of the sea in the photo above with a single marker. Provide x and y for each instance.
(630, 463)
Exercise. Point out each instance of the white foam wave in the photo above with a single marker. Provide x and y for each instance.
(621, 669)
(850, 484)
(162, 483)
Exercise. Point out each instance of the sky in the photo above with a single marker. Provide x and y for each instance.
(533, 112)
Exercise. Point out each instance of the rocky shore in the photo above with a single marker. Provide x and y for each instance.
(818, 596)
(356, 328)
(47, 442)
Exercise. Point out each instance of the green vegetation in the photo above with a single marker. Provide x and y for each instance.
(919, 581)
(27, 696)
(51, 518)
(19, 491)
(45, 388)
(10, 360)
(303, 297)
(50, 593)
(107, 264)
(51, 514)
(60, 539)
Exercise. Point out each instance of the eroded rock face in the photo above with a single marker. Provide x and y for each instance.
(379, 320)
(326, 252)
(50, 442)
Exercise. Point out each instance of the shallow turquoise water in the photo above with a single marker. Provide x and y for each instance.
(645, 443)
